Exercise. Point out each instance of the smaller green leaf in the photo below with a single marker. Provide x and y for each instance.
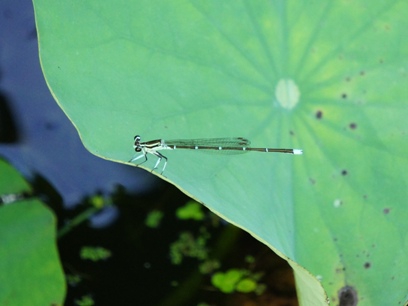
(86, 300)
(260, 289)
(192, 210)
(95, 253)
(188, 246)
(227, 282)
(98, 201)
(209, 266)
(246, 285)
(31, 273)
(73, 279)
(11, 181)
(249, 259)
(153, 218)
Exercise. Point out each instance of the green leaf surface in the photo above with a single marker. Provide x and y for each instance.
(31, 273)
(328, 77)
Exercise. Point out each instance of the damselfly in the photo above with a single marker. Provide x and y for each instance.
(233, 144)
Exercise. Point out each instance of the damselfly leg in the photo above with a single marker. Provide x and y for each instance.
(159, 158)
(136, 157)
(144, 154)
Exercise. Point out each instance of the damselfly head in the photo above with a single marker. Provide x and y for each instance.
(137, 144)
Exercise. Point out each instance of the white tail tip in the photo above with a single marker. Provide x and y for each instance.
(297, 151)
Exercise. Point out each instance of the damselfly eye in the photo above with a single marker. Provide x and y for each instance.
(138, 149)
(137, 137)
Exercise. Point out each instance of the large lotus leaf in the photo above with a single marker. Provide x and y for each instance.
(329, 77)
(31, 273)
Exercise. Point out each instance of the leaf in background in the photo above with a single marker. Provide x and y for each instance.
(31, 273)
(326, 77)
